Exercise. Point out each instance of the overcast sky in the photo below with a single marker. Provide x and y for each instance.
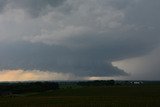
(79, 39)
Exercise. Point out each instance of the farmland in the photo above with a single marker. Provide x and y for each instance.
(146, 95)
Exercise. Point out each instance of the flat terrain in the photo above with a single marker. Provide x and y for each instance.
(111, 96)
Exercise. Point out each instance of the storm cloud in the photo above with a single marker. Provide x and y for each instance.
(81, 37)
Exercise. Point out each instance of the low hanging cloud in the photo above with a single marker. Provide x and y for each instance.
(81, 37)
(55, 58)
(143, 68)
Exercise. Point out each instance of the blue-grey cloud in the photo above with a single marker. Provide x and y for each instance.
(81, 37)
(2, 4)
(54, 58)
(35, 8)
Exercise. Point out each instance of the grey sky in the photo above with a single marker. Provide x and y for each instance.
(81, 37)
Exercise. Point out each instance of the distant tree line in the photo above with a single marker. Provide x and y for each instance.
(28, 87)
(24, 87)
(97, 83)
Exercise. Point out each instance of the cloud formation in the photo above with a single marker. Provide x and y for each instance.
(55, 58)
(81, 37)
(143, 68)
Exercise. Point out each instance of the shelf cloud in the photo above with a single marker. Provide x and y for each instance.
(79, 37)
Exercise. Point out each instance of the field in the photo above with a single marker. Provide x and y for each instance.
(95, 96)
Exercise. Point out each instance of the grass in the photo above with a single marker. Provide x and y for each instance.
(115, 96)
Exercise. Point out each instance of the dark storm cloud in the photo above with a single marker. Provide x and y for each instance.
(2, 4)
(134, 43)
(54, 58)
(81, 37)
(34, 7)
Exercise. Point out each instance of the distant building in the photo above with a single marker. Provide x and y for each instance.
(137, 82)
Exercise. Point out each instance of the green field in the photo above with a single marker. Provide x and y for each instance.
(111, 96)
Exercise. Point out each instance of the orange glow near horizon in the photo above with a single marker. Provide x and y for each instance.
(30, 75)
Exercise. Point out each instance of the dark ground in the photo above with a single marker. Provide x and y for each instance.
(144, 95)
